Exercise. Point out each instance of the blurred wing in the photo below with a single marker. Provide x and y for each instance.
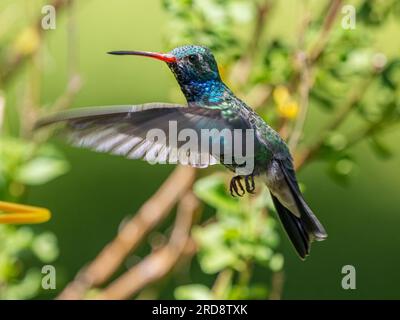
(130, 131)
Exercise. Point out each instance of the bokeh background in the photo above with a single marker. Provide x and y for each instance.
(98, 191)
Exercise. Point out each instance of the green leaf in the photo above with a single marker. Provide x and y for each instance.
(209, 235)
(391, 75)
(244, 249)
(218, 258)
(380, 149)
(26, 288)
(45, 247)
(337, 141)
(276, 262)
(322, 99)
(16, 240)
(213, 191)
(258, 291)
(262, 253)
(341, 167)
(193, 292)
(41, 170)
(344, 166)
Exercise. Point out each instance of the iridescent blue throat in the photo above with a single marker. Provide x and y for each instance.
(207, 92)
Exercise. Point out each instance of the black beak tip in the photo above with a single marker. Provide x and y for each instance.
(120, 52)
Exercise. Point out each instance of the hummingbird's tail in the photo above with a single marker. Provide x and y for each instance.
(300, 223)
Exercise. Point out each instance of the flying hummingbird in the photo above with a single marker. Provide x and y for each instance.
(210, 104)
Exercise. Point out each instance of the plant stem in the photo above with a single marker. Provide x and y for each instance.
(305, 85)
(9, 70)
(222, 284)
(323, 37)
(242, 69)
(351, 103)
(152, 212)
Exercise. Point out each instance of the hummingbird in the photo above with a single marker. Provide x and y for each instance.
(121, 130)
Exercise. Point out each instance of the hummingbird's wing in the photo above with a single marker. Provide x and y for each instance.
(125, 130)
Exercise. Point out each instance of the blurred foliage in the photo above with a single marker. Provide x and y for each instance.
(241, 235)
(210, 23)
(23, 161)
(19, 247)
(347, 76)
(24, 164)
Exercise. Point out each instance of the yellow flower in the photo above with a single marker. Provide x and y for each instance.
(15, 213)
(281, 95)
(287, 107)
(288, 110)
(27, 42)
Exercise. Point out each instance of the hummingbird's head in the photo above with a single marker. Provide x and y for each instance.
(188, 63)
(194, 63)
(194, 68)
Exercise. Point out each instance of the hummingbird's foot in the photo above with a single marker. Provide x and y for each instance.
(250, 186)
(234, 186)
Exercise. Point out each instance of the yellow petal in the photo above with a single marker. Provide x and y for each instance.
(281, 95)
(17, 213)
(27, 42)
(288, 110)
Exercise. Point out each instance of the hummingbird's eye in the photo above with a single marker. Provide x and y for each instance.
(193, 58)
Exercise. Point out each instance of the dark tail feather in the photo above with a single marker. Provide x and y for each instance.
(309, 221)
(304, 229)
(295, 227)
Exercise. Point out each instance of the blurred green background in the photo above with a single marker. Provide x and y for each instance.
(89, 202)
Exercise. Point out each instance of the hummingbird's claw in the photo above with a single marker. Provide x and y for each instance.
(235, 182)
(232, 188)
(250, 186)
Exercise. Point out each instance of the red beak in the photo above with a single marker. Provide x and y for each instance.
(169, 58)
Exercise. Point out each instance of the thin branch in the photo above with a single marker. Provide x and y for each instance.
(74, 79)
(74, 83)
(262, 12)
(305, 85)
(370, 130)
(323, 37)
(302, 73)
(241, 70)
(258, 95)
(303, 78)
(352, 101)
(73, 49)
(321, 42)
(278, 280)
(9, 70)
(222, 284)
(306, 67)
(2, 110)
(158, 264)
(155, 210)
(65, 100)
